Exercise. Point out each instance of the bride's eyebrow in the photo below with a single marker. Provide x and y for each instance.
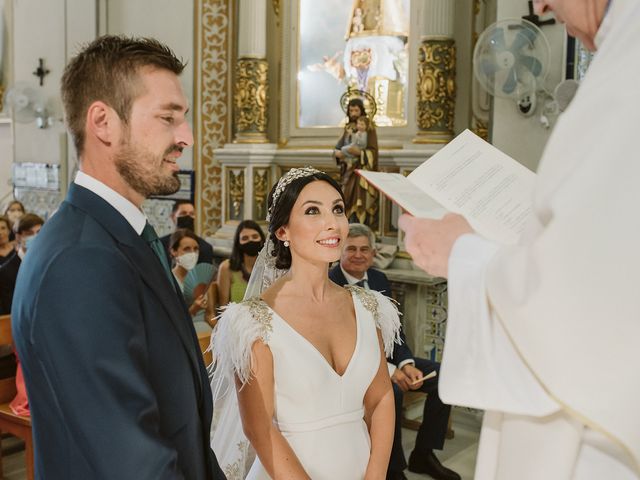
(318, 202)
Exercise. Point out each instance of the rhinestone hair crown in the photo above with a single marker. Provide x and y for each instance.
(285, 180)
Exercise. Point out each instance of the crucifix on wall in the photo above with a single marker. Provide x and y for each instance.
(41, 71)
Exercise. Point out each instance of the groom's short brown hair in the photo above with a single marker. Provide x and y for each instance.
(107, 70)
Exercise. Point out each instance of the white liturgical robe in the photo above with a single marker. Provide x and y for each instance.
(544, 335)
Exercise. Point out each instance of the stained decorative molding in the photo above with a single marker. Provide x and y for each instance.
(480, 128)
(250, 100)
(213, 116)
(261, 186)
(235, 194)
(276, 10)
(436, 90)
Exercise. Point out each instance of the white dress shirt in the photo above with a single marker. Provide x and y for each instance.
(128, 210)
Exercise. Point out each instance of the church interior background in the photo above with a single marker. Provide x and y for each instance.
(265, 79)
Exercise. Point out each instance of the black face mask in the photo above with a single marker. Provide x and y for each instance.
(186, 221)
(251, 248)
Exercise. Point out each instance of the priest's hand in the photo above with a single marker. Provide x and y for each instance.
(429, 242)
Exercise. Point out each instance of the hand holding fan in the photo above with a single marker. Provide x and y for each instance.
(198, 281)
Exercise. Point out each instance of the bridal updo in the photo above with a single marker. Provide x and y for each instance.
(281, 211)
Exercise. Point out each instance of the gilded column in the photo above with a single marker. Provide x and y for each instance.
(250, 96)
(436, 89)
(212, 108)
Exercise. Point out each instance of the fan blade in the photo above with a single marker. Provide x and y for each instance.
(196, 281)
(531, 63)
(511, 82)
(488, 67)
(523, 37)
(496, 40)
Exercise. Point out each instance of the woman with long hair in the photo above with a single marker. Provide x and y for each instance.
(307, 356)
(234, 273)
(7, 247)
(183, 246)
(14, 211)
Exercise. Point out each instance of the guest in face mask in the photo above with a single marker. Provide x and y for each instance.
(234, 273)
(184, 252)
(14, 212)
(183, 215)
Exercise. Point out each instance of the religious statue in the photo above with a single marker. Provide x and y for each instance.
(357, 148)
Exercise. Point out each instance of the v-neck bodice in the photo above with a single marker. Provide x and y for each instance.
(302, 372)
(298, 337)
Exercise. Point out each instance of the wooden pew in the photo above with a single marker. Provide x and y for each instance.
(9, 422)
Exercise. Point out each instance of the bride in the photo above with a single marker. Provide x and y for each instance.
(307, 357)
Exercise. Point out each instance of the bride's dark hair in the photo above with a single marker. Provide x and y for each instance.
(282, 211)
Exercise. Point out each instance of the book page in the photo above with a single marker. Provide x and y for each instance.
(473, 178)
(401, 191)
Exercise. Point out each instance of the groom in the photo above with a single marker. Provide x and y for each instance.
(116, 382)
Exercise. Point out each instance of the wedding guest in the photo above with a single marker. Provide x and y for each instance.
(26, 230)
(14, 211)
(234, 273)
(183, 215)
(7, 247)
(184, 252)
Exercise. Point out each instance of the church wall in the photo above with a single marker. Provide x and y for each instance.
(170, 22)
(524, 138)
(47, 30)
(6, 138)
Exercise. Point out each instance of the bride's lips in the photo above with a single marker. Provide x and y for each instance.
(331, 242)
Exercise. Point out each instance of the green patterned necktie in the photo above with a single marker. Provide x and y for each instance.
(151, 237)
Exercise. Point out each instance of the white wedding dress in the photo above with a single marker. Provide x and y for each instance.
(319, 412)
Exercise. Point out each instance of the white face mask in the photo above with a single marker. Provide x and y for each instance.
(14, 215)
(187, 260)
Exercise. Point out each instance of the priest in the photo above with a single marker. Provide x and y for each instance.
(543, 335)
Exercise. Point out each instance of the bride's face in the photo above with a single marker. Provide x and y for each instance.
(317, 224)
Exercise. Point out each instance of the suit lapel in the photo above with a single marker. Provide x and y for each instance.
(145, 261)
(338, 276)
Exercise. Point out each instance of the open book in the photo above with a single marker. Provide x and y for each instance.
(468, 176)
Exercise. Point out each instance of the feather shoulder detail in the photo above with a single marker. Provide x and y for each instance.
(385, 313)
(239, 326)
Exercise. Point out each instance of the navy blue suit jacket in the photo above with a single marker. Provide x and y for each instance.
(116, 382)
(378, 281)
